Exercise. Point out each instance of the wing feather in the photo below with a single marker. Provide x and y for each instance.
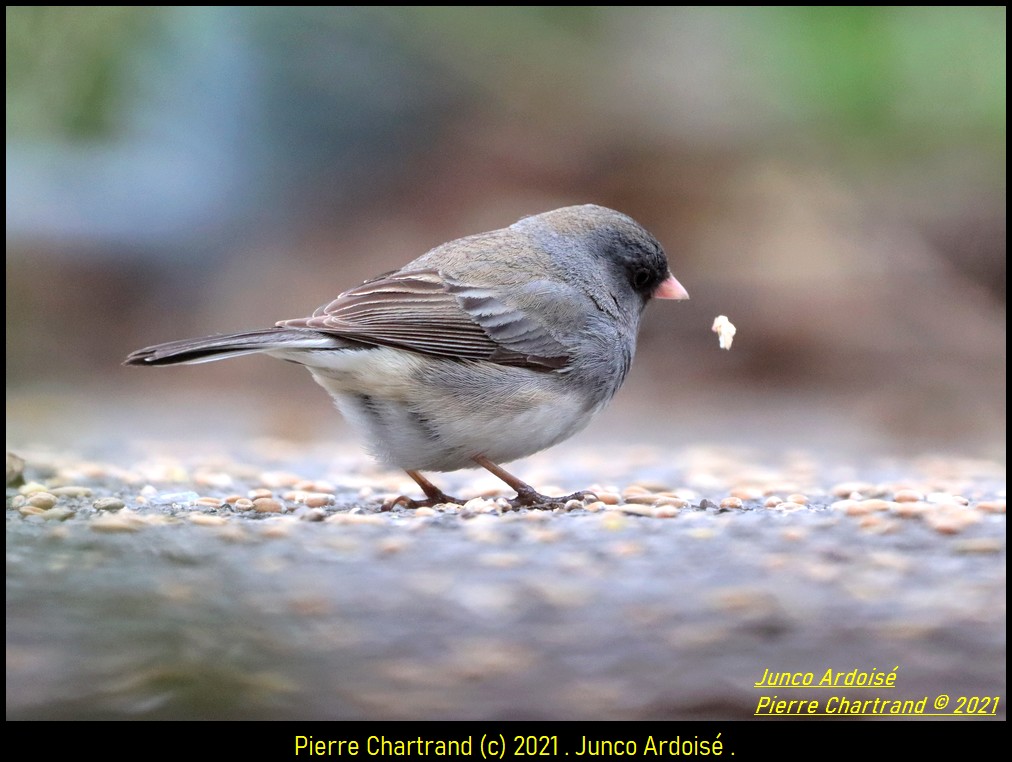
(425, 311)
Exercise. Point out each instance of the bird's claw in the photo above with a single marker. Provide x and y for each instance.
(411, 504)
(530, 498)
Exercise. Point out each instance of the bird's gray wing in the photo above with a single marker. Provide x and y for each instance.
(432, 313)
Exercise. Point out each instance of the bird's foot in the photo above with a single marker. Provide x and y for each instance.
(433, 495)
(531, 498)
(429, 502)
(527, 496)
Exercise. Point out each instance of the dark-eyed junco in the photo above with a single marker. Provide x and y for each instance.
(479, 352)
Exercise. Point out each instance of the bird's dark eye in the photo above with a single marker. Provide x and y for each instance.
(642, 278)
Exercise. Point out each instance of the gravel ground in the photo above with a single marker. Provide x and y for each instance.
(271, 584)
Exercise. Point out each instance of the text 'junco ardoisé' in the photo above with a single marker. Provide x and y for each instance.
(479, 352)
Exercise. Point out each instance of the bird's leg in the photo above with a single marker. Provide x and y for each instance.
(433, 495)
(526, 494)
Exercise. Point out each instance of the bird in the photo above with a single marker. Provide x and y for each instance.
(481, 351)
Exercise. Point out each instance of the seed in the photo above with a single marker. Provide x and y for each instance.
(30, 487)
(204, 519)
(788, 506)
(673, 502)
(71, 491)
(991, 506)
(318, 500)
(633, 490)
(844, 489)
(44, 500)
(946, 497)
(644, 499)
(108, 504)
(59, 513)
(908, 496)
(266, 505)
(313, 514)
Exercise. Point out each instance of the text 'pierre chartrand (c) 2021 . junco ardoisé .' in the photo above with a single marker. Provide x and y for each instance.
(481, 351)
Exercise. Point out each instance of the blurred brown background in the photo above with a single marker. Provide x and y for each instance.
(833, 180)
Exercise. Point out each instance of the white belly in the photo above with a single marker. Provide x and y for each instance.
(427, 414)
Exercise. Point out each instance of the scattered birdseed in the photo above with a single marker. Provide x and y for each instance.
(207, 520)
(267, 505)
(731, 502)
(908, 496)
(311, 514)
(798, 498)
(71, 491)
(910, 510)
(772, 501)
(58, 513)
(242, 504)
(991, 506)
(480, 505)
(634, 490)
(108, 504)
(647, 498)
(946, 497)
(121, 521)
(356, 518)
(788, 506)
(950, 519)
(635, 509)
(846, 489)
(876, 504)
(44, 500)
(30, 487)
(876, 523)
(671, 501)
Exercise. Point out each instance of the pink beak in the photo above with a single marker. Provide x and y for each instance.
(670, 289)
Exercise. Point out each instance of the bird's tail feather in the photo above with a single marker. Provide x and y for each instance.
(210, 348)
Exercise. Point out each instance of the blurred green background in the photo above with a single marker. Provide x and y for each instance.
(831, 179)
